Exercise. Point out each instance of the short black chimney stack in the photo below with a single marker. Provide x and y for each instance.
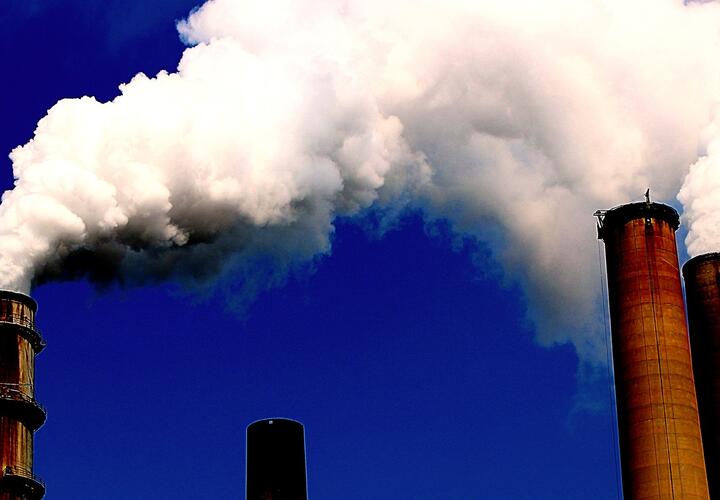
(275, 461)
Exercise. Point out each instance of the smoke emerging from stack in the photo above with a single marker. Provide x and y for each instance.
(700, 194)
(511, 121)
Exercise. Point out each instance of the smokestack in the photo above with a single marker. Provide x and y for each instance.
(702, 287)
(275, 460)
(20, 414)
(660, 443)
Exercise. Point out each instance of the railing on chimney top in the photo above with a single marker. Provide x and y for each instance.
(18, 319)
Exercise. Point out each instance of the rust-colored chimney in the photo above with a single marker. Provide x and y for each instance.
(702, 288)
(660, 445)
(20, 414)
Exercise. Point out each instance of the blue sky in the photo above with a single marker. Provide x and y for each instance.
(413, 369)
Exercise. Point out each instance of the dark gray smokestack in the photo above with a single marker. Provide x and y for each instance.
(275, 467)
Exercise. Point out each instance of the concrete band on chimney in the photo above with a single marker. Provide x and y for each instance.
(20, 414)
(702, 289)
(660, 442)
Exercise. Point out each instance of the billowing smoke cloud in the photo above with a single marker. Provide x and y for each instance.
(700, 195)
(514, 121)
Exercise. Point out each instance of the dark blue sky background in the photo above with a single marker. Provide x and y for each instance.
(415, 374)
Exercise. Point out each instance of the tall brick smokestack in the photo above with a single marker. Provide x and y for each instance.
(276, 460)
(20, 414)
(660, 444)
(702, 287)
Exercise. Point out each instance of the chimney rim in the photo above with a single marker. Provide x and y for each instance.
(19, 297)
(272, 420)
(622, 214)
(696, 261)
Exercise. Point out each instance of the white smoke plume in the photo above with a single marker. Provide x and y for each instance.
(700, 195)
(512, 120)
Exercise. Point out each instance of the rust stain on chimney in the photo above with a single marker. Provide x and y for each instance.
(20, 414)
(660, 443)
(702, 288)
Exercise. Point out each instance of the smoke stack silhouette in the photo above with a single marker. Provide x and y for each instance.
(275, 467)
